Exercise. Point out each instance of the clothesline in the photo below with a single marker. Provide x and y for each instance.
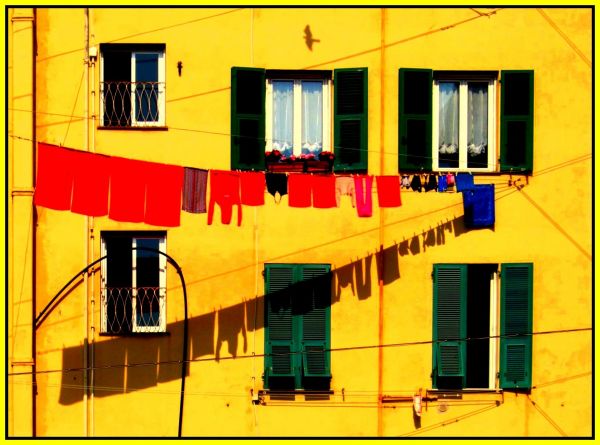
(131, 190)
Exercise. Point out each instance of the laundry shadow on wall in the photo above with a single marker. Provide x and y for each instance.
(135, 362)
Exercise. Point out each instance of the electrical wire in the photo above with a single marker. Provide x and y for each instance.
(341, 349)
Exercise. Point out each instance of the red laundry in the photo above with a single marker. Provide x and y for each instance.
(90, 184)
(388, 191)
(127, 189)
(54, 182)
(252, 186)
(323, 188)
(299, 190)
(163, 194)
(225, 191)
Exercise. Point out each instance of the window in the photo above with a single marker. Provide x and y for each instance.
(290, 111)
(463, 124)
(297, 326)
(133, 85)
(447, 121)
(133, 282)
(473, 325)
(297, 116)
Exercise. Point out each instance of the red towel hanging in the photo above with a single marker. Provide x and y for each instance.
(388, 191)
(90, 184)
(164, 184)
(127, 189)
(54, 182)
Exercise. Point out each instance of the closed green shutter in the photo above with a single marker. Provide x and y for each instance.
(414, 119)
(315, 310)
(516, 121)
(279, 336)
(449, 326)
(516, 325)
(351, 119)
(247, 118)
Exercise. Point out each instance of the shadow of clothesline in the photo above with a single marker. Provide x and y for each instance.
(136, 362)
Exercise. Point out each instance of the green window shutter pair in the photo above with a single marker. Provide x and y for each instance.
(350, 119)
(297, 321)
(414, 120)
(450, 321)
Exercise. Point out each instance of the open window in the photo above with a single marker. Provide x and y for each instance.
(482, 337)
(133, 282)
(447, 121)
(132, 85)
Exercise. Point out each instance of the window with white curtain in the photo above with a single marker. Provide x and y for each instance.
(463, 124)
(298, 116)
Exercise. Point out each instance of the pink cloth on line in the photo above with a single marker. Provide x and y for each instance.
(90, 184)
(388, 191)
(164, 184)
(54, 181)
(364, 199)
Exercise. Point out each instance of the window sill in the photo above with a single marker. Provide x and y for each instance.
(138, 128)
(135, 334)
(303, 166)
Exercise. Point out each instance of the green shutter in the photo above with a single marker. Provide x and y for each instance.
(449, 321)
(516, 121)
(516, 325)
(415, 88)
(316, 308)
(351, 119)
(279, 335)
(247, 118)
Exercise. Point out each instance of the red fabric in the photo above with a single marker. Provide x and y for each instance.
(388, 191)
(323, 187)
(252, 186)
(225, 191)
(54, 182)
(299, 190)
(163, 194)
(90, 184)
(127, 189)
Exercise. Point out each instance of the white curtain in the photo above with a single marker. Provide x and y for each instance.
(312, 117)
(477, 136)
(283, 116)
(448, 136)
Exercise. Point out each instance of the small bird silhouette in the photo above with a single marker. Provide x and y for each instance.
(309, 38)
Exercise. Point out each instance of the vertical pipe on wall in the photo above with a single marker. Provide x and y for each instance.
(381, 226)
(86, 232)
(92, 85)
(34, 225)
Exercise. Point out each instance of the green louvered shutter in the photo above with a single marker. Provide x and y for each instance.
(315, 296)
(449, 315)
(351, 119)
(247, 118)
(516, 325)
(414, 119)
(279, 335)
(516, 121)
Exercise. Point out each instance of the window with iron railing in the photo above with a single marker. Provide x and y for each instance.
(133, 283)
(132, 87)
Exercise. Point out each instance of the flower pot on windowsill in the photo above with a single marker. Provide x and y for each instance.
(300, 165)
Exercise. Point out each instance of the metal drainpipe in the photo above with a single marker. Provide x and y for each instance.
(381, 271)
(87, 230)
(34, 230)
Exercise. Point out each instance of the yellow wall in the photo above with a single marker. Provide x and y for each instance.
(547, 222)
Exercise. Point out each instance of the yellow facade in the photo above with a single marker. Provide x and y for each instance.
(380, 328)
